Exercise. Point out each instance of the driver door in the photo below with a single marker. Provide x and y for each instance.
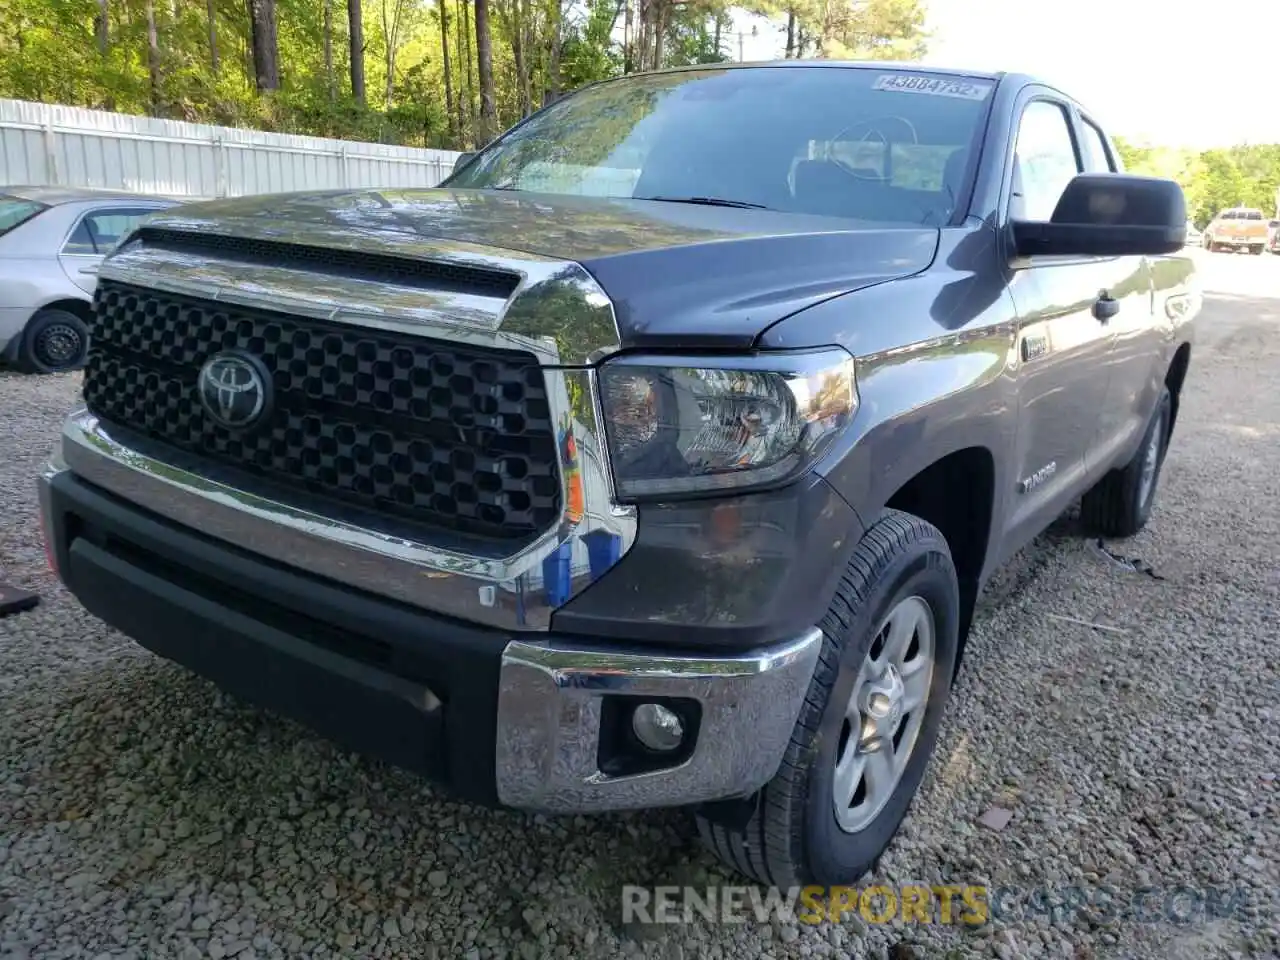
(1064, 306)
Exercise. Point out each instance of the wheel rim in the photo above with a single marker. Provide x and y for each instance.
(1151, 462)
(58, 344)
(884, 714)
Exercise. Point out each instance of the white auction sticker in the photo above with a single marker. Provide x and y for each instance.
(934, 86)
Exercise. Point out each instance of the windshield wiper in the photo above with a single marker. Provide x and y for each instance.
(709, 202)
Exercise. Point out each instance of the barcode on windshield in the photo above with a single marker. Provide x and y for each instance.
(934, 86)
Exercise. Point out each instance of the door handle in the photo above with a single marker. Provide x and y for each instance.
(1105, 307)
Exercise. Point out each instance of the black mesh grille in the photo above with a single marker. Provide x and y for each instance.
(438, 433)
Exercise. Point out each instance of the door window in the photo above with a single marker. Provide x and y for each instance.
(98, 232)
(1044, 161)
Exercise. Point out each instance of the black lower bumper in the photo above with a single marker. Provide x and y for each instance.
(418, 691)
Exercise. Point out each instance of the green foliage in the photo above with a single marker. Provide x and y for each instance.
(56, 51)
(588, 53)
(1246, 175)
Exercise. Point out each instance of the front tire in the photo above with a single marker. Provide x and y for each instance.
(1119, 505)
(55, 341)
(1256, 250)
(870, 721)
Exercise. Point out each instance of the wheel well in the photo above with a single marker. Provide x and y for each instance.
(80, 308)
(1176, 376)
(956, 494)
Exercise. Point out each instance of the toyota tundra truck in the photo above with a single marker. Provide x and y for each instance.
(656, 458)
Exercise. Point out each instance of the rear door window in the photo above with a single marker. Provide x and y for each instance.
(99, 231)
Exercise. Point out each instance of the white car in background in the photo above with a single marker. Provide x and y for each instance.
(1193, 235)
(51, 239)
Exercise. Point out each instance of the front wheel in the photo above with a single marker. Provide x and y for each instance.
(869, 723)
(1256, 250)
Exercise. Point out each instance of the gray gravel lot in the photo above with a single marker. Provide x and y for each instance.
(144, 814)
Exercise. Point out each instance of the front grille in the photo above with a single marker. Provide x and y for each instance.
(437, 433)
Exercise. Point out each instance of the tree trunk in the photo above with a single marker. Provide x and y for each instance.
(102, 31)
(266, 49)
(328, 49)
(464, 38)
(718, 25)
(448, 80)
(391, 40)
(791, 34)
(516, 28)
(153, 58)
(659, 28)
(640, 36)
(484, 70)
(628, 39)
(102, 28)
(557, 40)
(525, 32)
(211, 13)
(355, 18)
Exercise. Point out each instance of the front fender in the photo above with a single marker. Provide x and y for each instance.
(730, 572)
(934, 354)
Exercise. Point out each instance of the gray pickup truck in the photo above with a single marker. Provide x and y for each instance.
(655, 459)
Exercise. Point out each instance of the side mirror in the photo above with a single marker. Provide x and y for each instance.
(1109, 215)
(462, 161)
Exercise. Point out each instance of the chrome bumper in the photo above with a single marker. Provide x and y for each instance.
(550, 696)
(549, 711)
(503, 592)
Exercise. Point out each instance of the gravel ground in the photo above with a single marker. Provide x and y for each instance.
(144, 814)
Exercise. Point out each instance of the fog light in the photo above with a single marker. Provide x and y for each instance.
(657, 727)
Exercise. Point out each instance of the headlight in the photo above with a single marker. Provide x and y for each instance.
(688, 425)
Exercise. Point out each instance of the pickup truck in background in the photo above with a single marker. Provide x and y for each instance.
(1239, 228)
(657, 458)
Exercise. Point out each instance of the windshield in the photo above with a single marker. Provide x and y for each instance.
(15, 210)
(872, 144)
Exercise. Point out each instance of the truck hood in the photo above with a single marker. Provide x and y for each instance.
(678, 274)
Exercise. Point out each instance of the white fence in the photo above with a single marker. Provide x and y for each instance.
(42, 144)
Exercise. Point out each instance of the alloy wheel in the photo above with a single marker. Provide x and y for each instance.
(884, 715)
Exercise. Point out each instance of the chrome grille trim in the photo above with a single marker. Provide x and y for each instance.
(557, 312)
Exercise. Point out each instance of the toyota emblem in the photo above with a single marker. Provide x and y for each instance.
(235, 389)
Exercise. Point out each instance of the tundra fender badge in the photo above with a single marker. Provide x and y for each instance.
(1034, 346)
(1028, 484)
